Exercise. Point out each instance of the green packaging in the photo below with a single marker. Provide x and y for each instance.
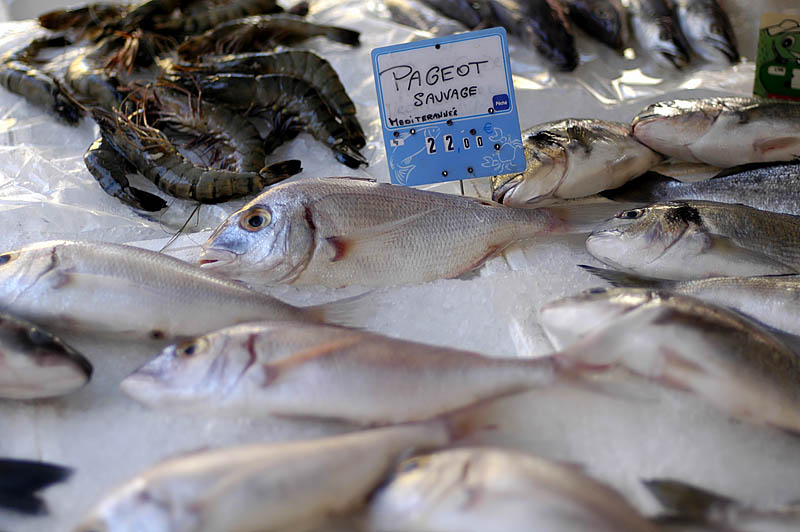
(778, 62)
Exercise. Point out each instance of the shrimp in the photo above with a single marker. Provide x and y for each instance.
(157, 159)
(291, 103)
(203, 16)
(40, 89)
(260, 33)
(110, 169)
(301, 64)
(87, 79)
(88, 21)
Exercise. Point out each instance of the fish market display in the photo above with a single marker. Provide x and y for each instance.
(497, 490)
(708, 29)
(605, 20)
(305, 370)
(658, 32)
(682, 342)
(722, 132)
(118, 289)
(36, 364)
(284, 486)
(771, 188)
(573, 158)
(336, 232)
(696, 239)
(20, 480)
(418, 15)
(685, 503)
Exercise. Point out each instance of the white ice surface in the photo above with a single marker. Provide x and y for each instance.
(640, 432)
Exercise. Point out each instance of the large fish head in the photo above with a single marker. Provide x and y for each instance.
(25, 270)
(40, 364)
(270, 239)
(131, 508)
(609, 19)
(665, 41)
(672, 127)
(711, 36)
(567, 320)
(546, 156)
(637, 238)
(187, 373)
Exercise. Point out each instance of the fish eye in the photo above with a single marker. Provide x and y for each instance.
(255, 219)
(787, 42)
(630, 215)
(411, 464)
(189, 349)
(5, 258)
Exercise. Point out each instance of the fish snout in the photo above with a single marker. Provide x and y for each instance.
(213, 258)
(504, 186)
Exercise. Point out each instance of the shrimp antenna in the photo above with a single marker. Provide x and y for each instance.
(180, 231)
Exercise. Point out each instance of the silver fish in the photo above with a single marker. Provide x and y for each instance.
(722, 132)
(774, 188)
(658, 32)
(691, 504)
(497, 490)
(336, 232)
(118, 289)
(307, 370)
(418, 15)
(573, 158)
(771, 299)
(470, 14)
(683, 240)
(708, 30)
(604, 20)
(36, 364)
(730, 361)
(286, 486)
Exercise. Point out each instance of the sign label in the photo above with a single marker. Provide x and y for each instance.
(447, 108)
(778, 62)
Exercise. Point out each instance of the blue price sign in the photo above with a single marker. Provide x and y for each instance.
(447, 108)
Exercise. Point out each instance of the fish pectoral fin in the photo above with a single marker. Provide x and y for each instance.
(733, 252)
(780, 143)
(372, 240)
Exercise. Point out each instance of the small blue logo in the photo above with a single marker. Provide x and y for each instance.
(500, 102)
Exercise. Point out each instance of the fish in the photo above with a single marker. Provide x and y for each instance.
(604, 20)
(688, 503)
(573, 158)
(20, 480)
(543, 24)
(683, 240)
(281, 486)
(470, 14)
(728, 360)
(35, 364)
(491, 489)
(722, 132)
(774, 300)
(708, 30)
(306, 370)
(117, 289)
(774, 188)
(419, 15)
(337, 232)
(657, 30)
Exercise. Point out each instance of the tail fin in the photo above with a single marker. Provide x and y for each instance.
(280, 171)
(21, 479)
(343, 35)
(300, 9)
(627, 280)
(640, 189)
(347, 312)
(349, 157)
(685, 500)
(147, 201)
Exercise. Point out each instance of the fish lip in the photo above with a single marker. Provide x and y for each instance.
(679, 61)
(508, 185)
(213, 258)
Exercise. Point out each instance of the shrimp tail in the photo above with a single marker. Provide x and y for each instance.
(283, 169)
(343, 36)
(21, 479)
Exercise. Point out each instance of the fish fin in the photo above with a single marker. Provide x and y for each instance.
(582, 217)
(147, 201)
(30, 475)
(781, 143)
(372, 239)
(684, 500)
(343, 35)
(347, 312)
(725, 246)
(25, 503)
(274, 370)
(622, 279)
(639, 189)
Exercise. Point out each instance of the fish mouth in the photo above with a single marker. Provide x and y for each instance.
(678, 60)
(216, 258)
(729, 52)
(506, 186)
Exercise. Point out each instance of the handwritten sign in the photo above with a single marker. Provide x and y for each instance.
(447, 108)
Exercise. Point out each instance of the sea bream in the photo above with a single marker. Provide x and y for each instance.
(657, 30)
(683, 240)
(722, 132)
(774, 188)
(604, 20)
(337, 232)
(290, 486)
(35, 364)
(708, 29)
(117, 289)
(573, 158)
(729, 360)
(306, 370)
(497, 490)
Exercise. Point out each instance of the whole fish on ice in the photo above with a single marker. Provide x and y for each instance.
(309, 370)
(722, 132)
(573, 158)
(289, 486)
(336, 232)
(36, 364)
